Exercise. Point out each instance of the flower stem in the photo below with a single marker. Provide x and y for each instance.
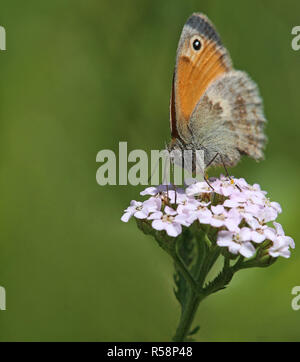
(196, 289)
(187, 317)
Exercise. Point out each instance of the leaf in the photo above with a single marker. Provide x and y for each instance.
(220, 282)
(194, 331)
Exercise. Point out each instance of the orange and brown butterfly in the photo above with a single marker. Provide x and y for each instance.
(213, 107)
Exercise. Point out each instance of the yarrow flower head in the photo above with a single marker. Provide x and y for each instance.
(204, 221)
(237, 216)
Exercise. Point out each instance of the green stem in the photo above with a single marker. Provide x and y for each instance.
(196, 294)
(187, 317)
(197, 289)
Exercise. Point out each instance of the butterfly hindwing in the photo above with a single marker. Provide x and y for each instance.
(229, 119)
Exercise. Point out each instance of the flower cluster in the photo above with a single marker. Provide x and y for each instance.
(240, 213)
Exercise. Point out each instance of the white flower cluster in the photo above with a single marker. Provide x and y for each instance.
(242, 214)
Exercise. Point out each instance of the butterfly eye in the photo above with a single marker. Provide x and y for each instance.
(197, 44)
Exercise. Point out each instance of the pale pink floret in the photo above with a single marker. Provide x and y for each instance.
(258, 231)
(281, 243)
(245, 211)
(201, 211)
(136, 209)
(177, 196)
(219, 217)
(183, 219)
(266, 215)
(141, 210)
(225, 186)
(248, 197)
(169, 221)
(198, 189)
(190, 205)
(153, 190)
(235, 244)
(153, 204)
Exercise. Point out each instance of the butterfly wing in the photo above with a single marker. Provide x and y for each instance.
(195, 70)
(229, 119)
(213, 107)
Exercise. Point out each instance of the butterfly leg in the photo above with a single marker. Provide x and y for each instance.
(209, 163)
(175, 189)
(206, 180)
(212, 160)
(227, 174)
(225, 168)
(204, 176)
(166, 177)
(173, 185)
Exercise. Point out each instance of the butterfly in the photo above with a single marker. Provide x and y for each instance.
(213, 107)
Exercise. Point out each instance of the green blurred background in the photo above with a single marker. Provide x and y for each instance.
(79, 76)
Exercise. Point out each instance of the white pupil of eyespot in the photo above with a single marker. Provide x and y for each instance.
(196, 44)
